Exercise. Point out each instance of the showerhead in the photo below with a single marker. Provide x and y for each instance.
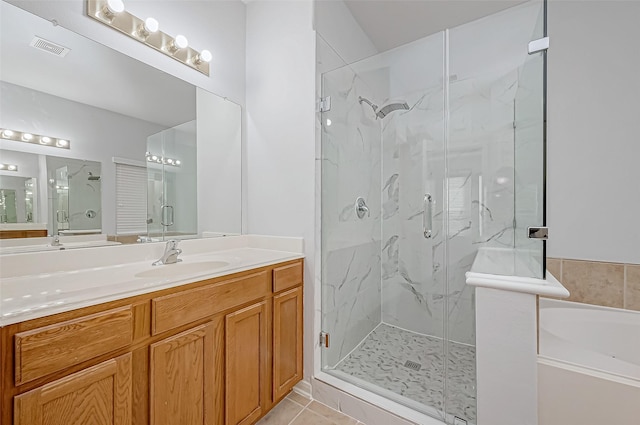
(92, 177)
(385, 110)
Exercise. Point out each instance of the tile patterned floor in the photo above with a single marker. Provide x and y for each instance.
(296, 409)
(380, 359)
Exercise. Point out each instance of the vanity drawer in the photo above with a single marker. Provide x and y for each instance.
(52, 348)
(286, 277)
(175, 310)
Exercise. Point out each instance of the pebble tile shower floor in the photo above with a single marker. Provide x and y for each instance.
(411, 365)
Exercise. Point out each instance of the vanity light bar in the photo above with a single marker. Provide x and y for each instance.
(36, 139)
(162, 160)
(8, 167)
(113, 14)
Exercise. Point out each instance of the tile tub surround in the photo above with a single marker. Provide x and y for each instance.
(380, 360)
(297, 409)
(44, 283)
(599, 283)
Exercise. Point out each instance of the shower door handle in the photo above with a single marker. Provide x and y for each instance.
(162, 215)
(427, 216)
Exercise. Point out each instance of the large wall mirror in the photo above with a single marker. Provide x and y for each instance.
(136, 136)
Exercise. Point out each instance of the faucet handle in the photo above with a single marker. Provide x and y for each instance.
(172, 244)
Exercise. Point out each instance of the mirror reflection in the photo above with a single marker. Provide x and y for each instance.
(129, 165)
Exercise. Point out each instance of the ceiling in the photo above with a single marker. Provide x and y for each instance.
(392, 23)
(90, 73)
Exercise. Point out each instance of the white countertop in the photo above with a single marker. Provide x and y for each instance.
(23, 226)
(53, 285)
(497, 268)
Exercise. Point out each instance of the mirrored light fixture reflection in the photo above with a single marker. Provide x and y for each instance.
(37, 139)
(113, 14)
(162, 160)
(8, 167)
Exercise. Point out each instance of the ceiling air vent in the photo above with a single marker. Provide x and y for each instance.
(49, 47)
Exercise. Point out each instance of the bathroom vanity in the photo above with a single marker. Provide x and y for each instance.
(213, 351)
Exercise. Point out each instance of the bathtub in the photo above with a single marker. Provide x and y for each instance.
(588, 365)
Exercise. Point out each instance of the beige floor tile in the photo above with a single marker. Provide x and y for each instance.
(282, 413)
(333, 415)
(632, 288)
(307, 417)
(298, 398)
(594, 282)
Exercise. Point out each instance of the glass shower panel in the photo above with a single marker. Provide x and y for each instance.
(60, 199)
(179, 172)
(489, 71)
(155, 186)
(529, 161)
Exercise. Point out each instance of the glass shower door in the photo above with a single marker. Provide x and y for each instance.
(383, 264)
(171, 189)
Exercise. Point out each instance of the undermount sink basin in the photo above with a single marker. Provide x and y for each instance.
(178, 269)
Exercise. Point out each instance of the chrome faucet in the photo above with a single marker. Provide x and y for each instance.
(170, 255)
(55, 241)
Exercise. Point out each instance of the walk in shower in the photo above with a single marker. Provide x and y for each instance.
(430, 152)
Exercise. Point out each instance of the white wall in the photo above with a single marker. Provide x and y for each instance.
(334, 22)
(281, 136)
(593, 130)
(218, 26)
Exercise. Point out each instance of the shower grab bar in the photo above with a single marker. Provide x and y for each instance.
(427, 216)
(162, 215)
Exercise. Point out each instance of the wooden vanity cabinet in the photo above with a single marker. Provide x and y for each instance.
(216, 352)
(182, 370)
(246, 362)
(97, 395)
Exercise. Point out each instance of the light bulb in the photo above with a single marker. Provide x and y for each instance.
(154, 158)
(12, 168)
(7, 133)
(169, 161)
(151, 25)
(328, 122)
(45, 140)
(3, 166)
(115, 6)
(63, 143)
(177, 162)
(204, 56)
(27, 137)
(180, 42)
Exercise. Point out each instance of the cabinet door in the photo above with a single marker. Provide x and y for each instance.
(247, 389)
(182, 378)
(287, 341)
(99, 395)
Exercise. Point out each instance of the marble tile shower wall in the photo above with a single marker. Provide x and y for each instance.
(351, 167)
